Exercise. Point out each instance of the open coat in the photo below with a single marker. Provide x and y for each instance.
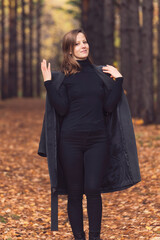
(123, 168)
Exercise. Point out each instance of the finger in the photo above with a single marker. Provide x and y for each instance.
(110, 66)
(105, 68)
(43, 66)
(44, 63)
(107, 71)
(49, 66)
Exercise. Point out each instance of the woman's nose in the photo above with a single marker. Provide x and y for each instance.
(82, 44)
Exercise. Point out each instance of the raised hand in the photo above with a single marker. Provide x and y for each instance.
(46, 72)
(111, 70)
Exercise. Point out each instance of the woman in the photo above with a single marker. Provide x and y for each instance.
(82, 102)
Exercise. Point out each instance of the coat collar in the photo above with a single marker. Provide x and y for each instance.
(107, 80)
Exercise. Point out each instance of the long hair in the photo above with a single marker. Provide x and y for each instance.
(69, 64)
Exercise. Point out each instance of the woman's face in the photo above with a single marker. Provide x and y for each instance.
(81, 48)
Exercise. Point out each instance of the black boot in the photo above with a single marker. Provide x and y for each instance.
(94, 236)
(80, 236)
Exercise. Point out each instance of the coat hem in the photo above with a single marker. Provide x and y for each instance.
(54, 201)
(42, 154)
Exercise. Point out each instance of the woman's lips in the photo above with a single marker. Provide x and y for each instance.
(84, 51)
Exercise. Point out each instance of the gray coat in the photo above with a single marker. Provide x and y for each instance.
(123, 168)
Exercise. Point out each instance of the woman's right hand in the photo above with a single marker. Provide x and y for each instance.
(46, 72)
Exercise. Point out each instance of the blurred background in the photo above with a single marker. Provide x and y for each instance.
(122, 33)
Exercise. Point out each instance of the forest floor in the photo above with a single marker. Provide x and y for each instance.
(133, 213)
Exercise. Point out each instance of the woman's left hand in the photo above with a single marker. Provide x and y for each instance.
(111, 70)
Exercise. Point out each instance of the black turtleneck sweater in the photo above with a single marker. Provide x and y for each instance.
(82, 99)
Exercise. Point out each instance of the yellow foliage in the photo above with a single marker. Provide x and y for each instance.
(55, 23)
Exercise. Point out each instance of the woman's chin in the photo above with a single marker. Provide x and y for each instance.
(85, 55)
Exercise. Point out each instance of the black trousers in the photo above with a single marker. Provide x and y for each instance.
(83, 156)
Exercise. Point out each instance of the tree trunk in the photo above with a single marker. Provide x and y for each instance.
(98, 22)
(16, 52)
(125, 49)
(84, 14)
(108, 52)
(30, 85)
(135, 58)
(95, 29)
(147, 56)
(24, 77)
(158, 73)
(4, 82)
(39, 5)
(12, 71)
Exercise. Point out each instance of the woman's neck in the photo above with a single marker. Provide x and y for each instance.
(84, 62)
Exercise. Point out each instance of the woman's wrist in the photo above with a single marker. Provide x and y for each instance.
(48, 82)
(119, 80)
(118, 76)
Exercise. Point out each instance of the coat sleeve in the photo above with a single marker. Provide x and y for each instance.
(57, 98)
(113, 96)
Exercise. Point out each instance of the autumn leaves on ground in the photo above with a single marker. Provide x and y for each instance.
(25, 187)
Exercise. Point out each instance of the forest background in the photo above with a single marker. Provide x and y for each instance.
(122, 33)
